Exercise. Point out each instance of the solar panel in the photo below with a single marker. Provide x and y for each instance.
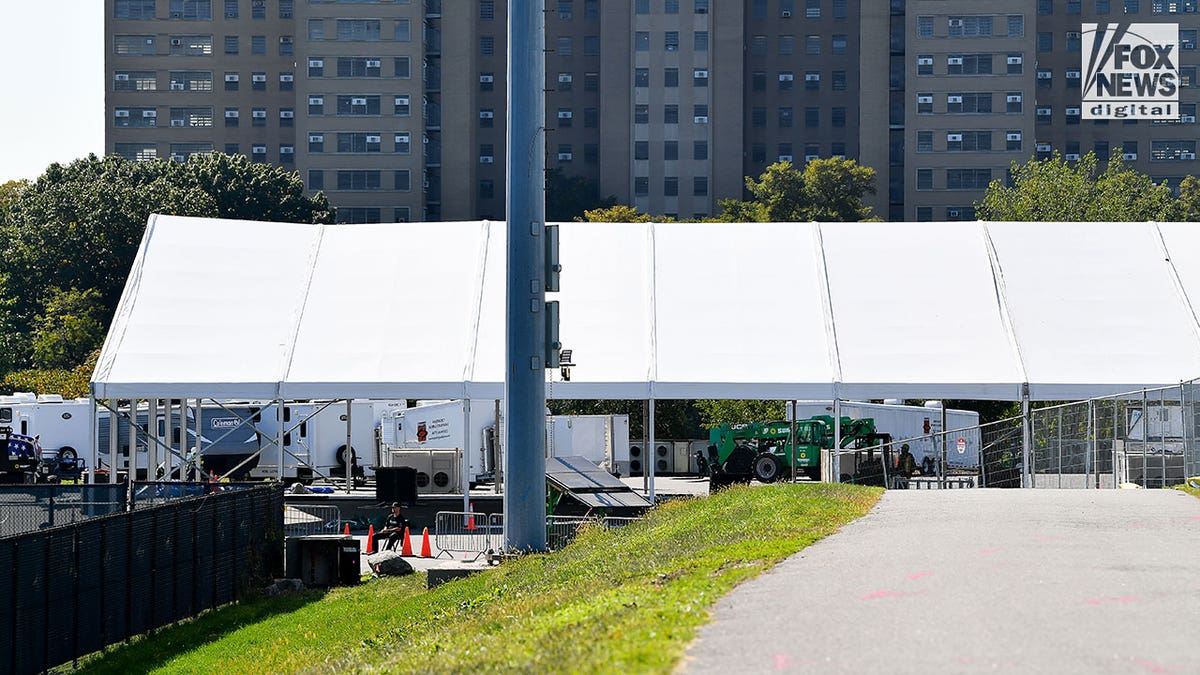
(590, 484)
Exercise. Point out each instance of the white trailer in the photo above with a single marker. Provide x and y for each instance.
(314, 441)
(602, 439)
(921, 424)
(63, 427)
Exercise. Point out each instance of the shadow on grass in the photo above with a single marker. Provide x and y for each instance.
(146, 653)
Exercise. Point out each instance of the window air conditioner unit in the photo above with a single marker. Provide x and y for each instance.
(927, 99)
(1072, 74)
(1187, 155)
(176, 42)
(810, 77)
(1013, 98)
(954, 138)
(358, 101)
(1189, 45)
(809, 158)
(402, 139)
(953, 213)
(287, 150)
(121, 77)
(957, 23)
(564, 156)
(925, 61)
(285, 40)
(953, 99)
(701, 74)
(564, 114)
(259, 150)
(1043, 147)
(1045, 75)
(261, 114)
(121, 113)
(954, 60)
(785, 14)
(700, 119)
(785, 158)
(259, 77)
(374, 139)
(401, 100)
(1072, 156)
(316, 63)
(176, 86)
(373, 63)
(230, 77)
(487, 78)
(486, 159)
(287, 78)
(486, 114)
(1072, 111)
(1188, 119)
(1012, 137)
(316, 100)
(1014, 60)
(1045, 112)
(231, 113)
(316, 138)
(149, 113)
(179, 158)
(178, 123)
(287, 114)
(788, 77)
(1129, 156)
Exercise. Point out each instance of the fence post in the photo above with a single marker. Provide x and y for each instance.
(45, 628)
(1145, 438)
(1026, 439)
(51, 509)
(75, 597)
(1162, 433)
(16, 548)
(1091, 446)
(1059, 444)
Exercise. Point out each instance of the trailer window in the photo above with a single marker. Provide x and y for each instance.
(304, 429)
(5, 414)
(175, 435)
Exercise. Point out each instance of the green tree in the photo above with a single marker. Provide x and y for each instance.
(1057, 190)
(1187, 205)
(825, 190)
(617, 214)
(569, 197)
(722, 411)
(69, 382)
(70, 328)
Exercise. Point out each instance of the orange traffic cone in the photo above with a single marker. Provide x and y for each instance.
(371, 539)
(471, 517)
(406, 548)
(426, 550)
(347, 532)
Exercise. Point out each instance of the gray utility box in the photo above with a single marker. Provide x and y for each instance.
(323, 560)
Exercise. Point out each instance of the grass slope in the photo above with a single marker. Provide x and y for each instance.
(611, 602)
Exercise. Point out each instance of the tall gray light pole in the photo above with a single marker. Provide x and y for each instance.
(525, 383)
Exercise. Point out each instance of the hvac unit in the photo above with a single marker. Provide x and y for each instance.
(316, 100)
(176, 42)
(231, 77)
(316, 63)
(1187, 155)
(1072, 74)
(122, 113)
(487, 78)
(1045, 75)
(953, 213)
(564, 156)
(486, 159)
(287, 149)
(682, 463)
(372, 63)
(925, 61)
(178, 123)
(287, 78)
(664, 458)
(1072, 156)
(446, 472)
(564, 77)
(1013, 136)
(637, 459)
(700, 74)
(258, 77)
(259, 114)
(289, 114)
(1072, 111)
(121, 77)
(809, 158)
(929, 99)
(1013, 98)
(700, 119)
(785, 158)
(808, 77)
(486, 114)
(1043, 147)
(785, 14)
(149, 113)
(374, 139)
(1187, 119)
(231, 113)
(176, 86)
(954, 60)
(1043, 111)
(1129, 156)
(358, 101)
(316, 138)
(1014, 60)
(955, 23)
(285, 40)
(952, 98)
(565, 114)
(954, 138)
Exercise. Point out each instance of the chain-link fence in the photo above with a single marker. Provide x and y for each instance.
(29, 508)
(144, 494)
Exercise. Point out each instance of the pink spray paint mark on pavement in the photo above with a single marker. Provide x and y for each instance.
(1111, 601)
(1152, 667)
(877, 595)
(920, 575)
(989, 551)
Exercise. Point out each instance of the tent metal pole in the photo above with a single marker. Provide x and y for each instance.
(1145, 440)
(792, 436)
(349, 454)
(279, 441)
(653, 456)
(94, 411)
(836, 462)
(497, 449)
(114, 433)
(199, 461)
(647, 451)
(1026, 440)
(1162, 433)
(465, 463)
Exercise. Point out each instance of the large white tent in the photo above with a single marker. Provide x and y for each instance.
(229, 309)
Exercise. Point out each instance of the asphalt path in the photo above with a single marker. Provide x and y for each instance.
(977, 581)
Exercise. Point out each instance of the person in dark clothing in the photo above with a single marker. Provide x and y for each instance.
(908, 463)
(392, 532)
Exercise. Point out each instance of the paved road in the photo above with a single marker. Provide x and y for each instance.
(975, 581)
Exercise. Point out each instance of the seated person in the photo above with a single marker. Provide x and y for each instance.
(392, 532)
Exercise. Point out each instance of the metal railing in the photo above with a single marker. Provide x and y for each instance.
(471, 535)
(29, 508)
(301, 520)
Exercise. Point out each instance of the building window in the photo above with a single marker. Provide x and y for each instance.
(670, 77)
(959, 213)
(231, 44)
(591, 153)
(135, 117)
(924, 214)
(1016, 25)
(137, 152)
(358, 105)
(258, 9)
(969, 26)
(925, 64)
(641, 77)
(358, 215)
(924, 141)
(285, 45)
(231, 117)
(1172, 150)
(839, 80)
(671, 113)
(358, 179)
(1103, 7)
(925, 26)
(232, 80)
(258, 81)
(671, 186)
(316, 105)
(487, 10)
(316, 67)
(839, 44)
(968, 179)
(671, 41)
(191, 45)
(1015, 64)
(258, 45)
(192, 117)
(701, 6)
(969, 64)
(924, 104)
(258, 117)
(358, 66)
(402, 144)
(591, 118)
(487, 81)
(812, 45)
(700, 41)
(359, 30)
(1045, 7)
(641, 150)
(968, 141)
(641, 186)
(316, 143)
(1012, 140)
(565, 46)
(189, 9)
(838, 116)
(401, 106)
(135, 80)
(700, 150)
(641, 114)
(758, 117)
(758, 81)
(812, 117)
(785, 117)
(316, 179)
(1073, 41)
(699, 77)
(700, 186)
(924, 179)
(287, 117)
(134, 9)
(1132, 6)
(186, 80)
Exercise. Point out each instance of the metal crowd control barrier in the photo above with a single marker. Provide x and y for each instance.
(300, 520)
(473, 534)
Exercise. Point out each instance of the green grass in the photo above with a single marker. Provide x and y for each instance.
(614, 601)
(1187, 486)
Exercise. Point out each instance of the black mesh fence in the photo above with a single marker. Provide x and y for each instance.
(28, 508)
(76, 588)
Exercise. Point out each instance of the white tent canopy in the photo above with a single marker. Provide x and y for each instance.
(229, 309)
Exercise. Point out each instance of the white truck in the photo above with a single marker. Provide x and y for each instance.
(63, 426)
(921, 426)
(423, 434)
